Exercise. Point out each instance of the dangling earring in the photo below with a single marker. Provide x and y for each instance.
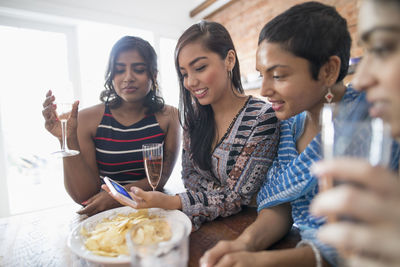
(155, 87)
(230, 74)
(329, 96)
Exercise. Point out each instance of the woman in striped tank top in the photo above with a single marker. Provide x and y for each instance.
(110, 135)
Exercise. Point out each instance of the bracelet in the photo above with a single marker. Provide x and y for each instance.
(317, 254)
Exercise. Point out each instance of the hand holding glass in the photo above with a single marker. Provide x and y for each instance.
(347, 136)
(63, 114)
(153, 160)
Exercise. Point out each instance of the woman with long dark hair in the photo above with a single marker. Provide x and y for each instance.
(110, 135)
(230, 139)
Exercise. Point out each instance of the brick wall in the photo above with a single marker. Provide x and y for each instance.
(244, 20)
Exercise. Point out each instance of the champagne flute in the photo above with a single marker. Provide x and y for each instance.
(63, 114)
(153, 160)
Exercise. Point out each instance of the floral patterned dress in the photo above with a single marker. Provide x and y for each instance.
(239, 166)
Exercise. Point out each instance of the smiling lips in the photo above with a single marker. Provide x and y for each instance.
(276, 105)
(200, 93)
(378, 108)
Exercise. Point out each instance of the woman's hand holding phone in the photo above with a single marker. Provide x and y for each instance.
(119, 193)
(140, 199)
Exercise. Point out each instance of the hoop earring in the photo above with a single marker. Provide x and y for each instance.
(329, 96)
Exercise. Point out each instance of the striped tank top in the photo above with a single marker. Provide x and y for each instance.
(119, 147)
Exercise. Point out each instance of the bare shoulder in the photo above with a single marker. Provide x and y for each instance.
(167, 116)
(89, 118)
(167, 113)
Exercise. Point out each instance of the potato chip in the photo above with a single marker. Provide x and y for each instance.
(107, 238)
(151, 233)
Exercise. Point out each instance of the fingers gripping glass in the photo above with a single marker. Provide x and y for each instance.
(118, 190)
(153, 160)
(63, 114)
(349, 136)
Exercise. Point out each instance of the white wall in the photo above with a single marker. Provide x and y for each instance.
(166, 18)
(4, 207)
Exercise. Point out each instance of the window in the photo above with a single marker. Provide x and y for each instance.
(32, 62)
(37, 57)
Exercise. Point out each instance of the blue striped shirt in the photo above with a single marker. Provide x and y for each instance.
(289, 178)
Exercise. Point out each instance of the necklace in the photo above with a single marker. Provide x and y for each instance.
(232, 123)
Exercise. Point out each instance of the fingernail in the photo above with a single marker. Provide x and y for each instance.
(84, 203)
(317, 168)
(330, 233)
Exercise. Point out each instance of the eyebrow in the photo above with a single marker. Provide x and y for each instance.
(133, 65)
(276, 66)
(194, 61)
(366, 35)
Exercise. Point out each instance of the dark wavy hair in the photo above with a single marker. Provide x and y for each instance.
(196, 119)
(153, 100)
(312, 31)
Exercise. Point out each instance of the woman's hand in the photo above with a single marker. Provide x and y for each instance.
(52, 123)
(98, 203)
(242, 259)
(148, 199)
(217, 253)
(374, 201)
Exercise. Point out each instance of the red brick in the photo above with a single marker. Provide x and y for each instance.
(244, 20)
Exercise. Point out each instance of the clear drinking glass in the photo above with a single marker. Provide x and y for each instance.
(153, 161)
(63, 114)
(171, 253)
(356, 136)
(346, 135)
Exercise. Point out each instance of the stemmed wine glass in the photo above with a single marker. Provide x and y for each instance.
(63, 114)
(153, 160)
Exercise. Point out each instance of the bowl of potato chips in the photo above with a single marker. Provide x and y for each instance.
(101, 238)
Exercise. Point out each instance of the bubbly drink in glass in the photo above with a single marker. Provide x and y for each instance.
(153, 160)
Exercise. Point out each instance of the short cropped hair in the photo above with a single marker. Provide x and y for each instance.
(312, 31)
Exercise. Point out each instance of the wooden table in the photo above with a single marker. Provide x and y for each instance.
(229, 228)
(39, 238)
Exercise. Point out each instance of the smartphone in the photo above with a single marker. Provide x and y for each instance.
(118, 190)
